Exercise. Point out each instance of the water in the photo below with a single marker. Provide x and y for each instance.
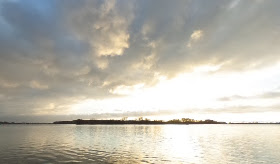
(140, 144)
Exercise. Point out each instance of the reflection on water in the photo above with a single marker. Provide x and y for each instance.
(140, 143)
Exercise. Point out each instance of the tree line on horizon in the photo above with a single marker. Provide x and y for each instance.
(140, 120)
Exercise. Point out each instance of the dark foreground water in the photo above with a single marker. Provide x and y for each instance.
(140, 144)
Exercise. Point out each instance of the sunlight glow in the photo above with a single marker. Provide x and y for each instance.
(186, 92)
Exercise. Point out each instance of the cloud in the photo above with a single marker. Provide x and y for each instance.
(233, 4)
(104, 26)
(127, 90)
(195, 36)
(37, 85)
(231, 98)
(6, 84)
(242, 109)
(56, 50)
(269, 95)
(265, 95)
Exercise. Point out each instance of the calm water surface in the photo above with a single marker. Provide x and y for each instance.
(140, 144)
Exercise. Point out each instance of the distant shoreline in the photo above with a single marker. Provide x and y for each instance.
(255, 123)
(141, 121)
(141, 124)
(136, 122)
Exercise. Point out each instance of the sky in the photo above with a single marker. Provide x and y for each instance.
(160, 59)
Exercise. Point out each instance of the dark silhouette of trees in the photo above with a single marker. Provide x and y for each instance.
(140, 120)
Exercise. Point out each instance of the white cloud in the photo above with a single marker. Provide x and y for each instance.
(116, 44)
(127, 90)
(195, 36)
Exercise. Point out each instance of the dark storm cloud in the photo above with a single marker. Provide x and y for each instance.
(55, 52)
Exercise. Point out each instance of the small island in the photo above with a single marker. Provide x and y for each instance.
(140, 120)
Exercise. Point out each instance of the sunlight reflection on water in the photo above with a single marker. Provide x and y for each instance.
(140, 143)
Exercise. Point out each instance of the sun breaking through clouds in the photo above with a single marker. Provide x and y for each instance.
(109, 59)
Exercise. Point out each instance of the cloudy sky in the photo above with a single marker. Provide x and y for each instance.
(62, 60)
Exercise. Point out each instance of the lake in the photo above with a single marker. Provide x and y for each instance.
(140, 144)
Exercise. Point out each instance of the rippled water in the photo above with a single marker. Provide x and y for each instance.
(140, 143)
